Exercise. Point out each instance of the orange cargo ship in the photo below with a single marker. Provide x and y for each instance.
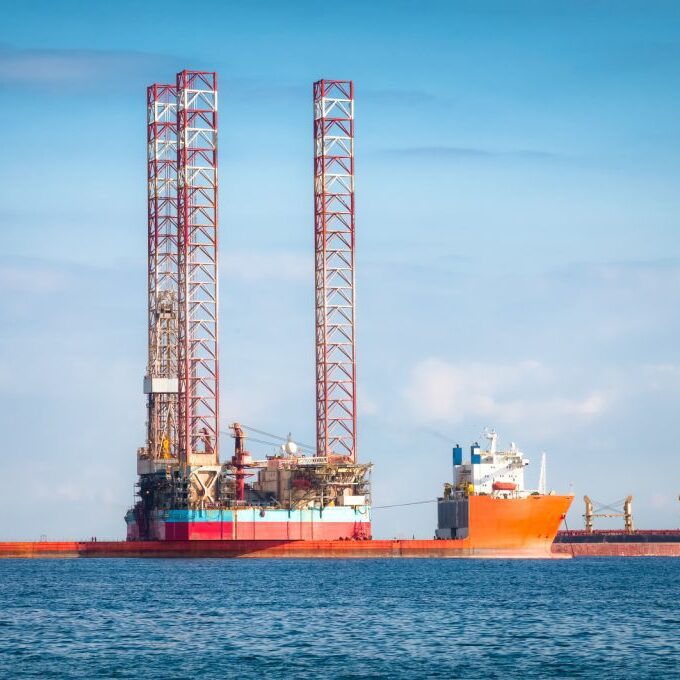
(487, 508)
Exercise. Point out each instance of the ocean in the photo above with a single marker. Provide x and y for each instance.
(127, 618)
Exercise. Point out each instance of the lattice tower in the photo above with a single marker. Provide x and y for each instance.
(162, 367)
(198, 275)
(334, 265)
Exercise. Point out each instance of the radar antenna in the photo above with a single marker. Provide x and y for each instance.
(492, 436)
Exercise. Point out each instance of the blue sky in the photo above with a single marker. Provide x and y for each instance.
(518, 234)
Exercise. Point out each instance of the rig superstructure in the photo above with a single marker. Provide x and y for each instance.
(185, 491)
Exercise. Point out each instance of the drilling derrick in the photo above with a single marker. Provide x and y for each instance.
(160, 382)
(334, 267)
(197, 267)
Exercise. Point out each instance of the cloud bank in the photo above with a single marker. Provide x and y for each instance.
(443, 392)
(76, 70)
(444, 152)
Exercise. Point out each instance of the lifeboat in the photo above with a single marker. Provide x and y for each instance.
(504, 486)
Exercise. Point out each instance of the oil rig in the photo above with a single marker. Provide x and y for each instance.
(185, 490)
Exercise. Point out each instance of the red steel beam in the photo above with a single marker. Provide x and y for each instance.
(162, 266)
(334, 266)
(198, 273)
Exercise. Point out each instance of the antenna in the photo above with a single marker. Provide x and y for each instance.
(492, 436)
(541, 477)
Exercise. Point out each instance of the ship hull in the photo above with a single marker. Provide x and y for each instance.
(253, 524)
(523, 525)
(520, 525)
(340, 549)
(608, 543)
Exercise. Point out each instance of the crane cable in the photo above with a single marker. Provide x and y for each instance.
(612, 507)
(258, 441)
(269, 434)
(274, 436)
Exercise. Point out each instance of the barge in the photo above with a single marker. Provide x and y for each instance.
(615, 543)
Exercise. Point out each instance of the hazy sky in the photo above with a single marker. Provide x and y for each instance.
(518, 166)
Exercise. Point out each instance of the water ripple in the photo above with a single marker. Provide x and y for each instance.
(343, 619)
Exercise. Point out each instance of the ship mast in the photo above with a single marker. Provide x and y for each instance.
(542, 485)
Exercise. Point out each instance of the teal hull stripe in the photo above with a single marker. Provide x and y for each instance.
(336, 514)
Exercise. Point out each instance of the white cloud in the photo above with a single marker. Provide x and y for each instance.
(440, 391)
(76, 67)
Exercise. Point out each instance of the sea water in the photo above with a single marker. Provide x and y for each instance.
(428, 618)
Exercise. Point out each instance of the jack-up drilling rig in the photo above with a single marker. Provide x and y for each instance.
(184, 491)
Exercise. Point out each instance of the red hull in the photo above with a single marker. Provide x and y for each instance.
(271, 531)
(318, 549)
(617, 549)
(268, 549)
(613, 543)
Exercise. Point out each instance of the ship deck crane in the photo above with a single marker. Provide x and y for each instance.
(622, 508)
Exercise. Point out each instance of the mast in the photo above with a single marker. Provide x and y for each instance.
(542, 484)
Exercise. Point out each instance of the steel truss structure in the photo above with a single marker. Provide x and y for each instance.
(197, 264)
(334, 267)
(161, 377)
